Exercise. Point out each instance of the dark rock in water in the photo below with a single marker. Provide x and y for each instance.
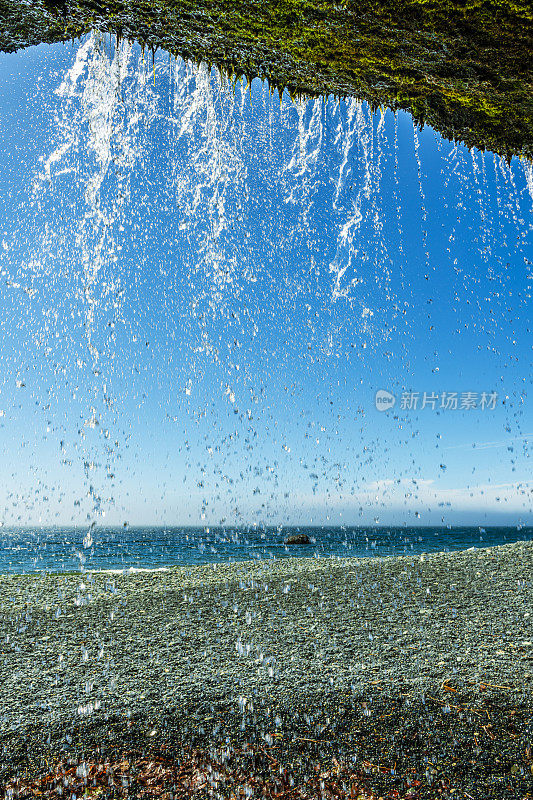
(298, 538)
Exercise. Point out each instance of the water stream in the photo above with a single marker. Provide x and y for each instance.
(228, 319)
(209, 285)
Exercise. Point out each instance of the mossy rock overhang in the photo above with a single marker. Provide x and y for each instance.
(465, 68)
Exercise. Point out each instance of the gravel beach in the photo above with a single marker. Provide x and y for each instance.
(430, 654)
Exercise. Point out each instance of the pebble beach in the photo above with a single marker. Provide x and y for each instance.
(314, 649)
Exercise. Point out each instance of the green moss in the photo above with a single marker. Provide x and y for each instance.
(463, 67)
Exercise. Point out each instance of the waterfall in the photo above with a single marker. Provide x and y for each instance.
(105, 105)
(213, 136)
(201, 232)
(106, 102)
(208, 173)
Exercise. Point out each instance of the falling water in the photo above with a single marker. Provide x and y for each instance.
(208, 294)
(193, 226)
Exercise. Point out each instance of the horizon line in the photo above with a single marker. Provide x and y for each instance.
(257, 527)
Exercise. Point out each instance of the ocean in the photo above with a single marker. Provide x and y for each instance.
(29, 550)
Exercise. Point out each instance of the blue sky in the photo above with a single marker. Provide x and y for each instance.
(203, 289)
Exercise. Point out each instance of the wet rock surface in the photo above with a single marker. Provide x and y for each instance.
(465, 71)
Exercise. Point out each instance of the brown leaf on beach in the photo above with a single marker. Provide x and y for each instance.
(248, 772)
(198, 772)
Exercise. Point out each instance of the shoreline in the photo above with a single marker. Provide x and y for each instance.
(231, 561)
(224, 650)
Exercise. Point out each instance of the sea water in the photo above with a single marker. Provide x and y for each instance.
(26, 550)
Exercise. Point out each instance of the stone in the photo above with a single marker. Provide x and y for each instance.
(298, 538)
